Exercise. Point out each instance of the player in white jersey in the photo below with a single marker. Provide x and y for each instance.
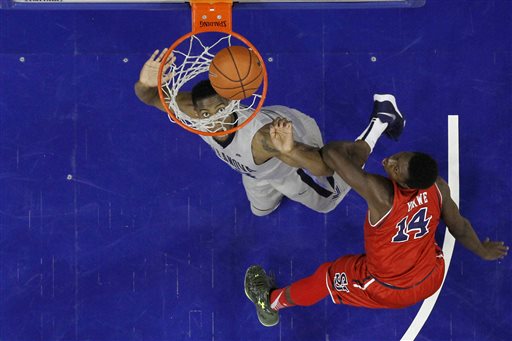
(270, 167)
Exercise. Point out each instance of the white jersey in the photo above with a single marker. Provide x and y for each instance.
(237, 151)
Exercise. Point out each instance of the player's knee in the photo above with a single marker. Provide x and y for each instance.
(261, 212)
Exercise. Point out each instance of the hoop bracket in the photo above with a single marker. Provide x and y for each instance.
(212, 15)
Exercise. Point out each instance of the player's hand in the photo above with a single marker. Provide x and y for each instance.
(281, 135)
(493, 250)
(149, 73)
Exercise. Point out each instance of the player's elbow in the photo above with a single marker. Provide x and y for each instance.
(327, 153)
(322, 172)
(331, 153)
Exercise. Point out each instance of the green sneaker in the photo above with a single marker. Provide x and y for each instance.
(257, 288)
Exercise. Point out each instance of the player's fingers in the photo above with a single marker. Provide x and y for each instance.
(503, 248)
(498, 243)
(495, 248)
(496, 255)
(500, 255)
(153, 56)
(169, 63)
(161, 56)
(167, 67)
(166, 77)
(166, 74)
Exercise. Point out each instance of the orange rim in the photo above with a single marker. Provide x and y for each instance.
(217, 133)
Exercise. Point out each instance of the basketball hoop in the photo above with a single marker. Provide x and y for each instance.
(192, 54)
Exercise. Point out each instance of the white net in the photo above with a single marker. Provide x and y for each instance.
(192, 60)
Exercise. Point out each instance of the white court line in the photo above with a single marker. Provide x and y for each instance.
(449, 240)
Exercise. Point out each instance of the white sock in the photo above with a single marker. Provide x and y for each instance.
(373, 132)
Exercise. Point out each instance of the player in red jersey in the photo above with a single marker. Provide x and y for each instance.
(403, 264)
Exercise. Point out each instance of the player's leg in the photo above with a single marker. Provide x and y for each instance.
(385, 118)
(349, 282)
(304, 292)
(260, 289)
(263, 197)
(346, 280)
(322, 197)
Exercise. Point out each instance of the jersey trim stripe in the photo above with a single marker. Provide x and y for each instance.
(367, 284)
(267, 112)
(380, 220)
(440, 196)
(311, 183)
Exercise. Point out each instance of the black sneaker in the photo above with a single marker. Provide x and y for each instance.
(386, 110)
(257, 288)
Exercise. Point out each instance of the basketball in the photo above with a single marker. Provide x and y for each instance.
(235, 72)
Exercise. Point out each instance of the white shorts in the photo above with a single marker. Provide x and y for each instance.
(321, 194)
(265, 195)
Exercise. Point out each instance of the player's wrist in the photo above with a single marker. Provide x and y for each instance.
(289, 151)
(144, 84)
(482, 251)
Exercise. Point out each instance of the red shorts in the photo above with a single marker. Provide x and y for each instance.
(349, 282)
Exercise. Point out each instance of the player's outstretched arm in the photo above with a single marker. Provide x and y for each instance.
(463, 231)
(276, 140)
(346, 159)
(146, 87)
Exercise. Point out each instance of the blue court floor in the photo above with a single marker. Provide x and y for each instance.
(117, 225)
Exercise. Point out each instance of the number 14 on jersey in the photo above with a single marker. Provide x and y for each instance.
(417, 225)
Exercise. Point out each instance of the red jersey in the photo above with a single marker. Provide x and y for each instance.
(401, 249)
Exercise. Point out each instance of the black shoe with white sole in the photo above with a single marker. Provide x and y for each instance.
(386, 110)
